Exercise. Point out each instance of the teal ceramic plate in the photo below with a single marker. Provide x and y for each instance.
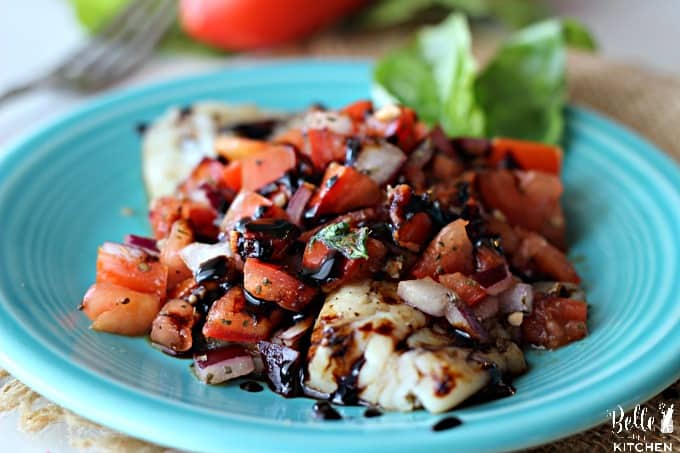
(61, 194)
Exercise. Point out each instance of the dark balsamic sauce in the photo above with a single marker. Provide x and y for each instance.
(447, 423)
(251, 386)
(348, 386)
(372, 412)
(257, 130)
(324, 411)
(141, 128)
(213, 269)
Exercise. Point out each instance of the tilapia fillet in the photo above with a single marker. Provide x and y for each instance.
(392, 356)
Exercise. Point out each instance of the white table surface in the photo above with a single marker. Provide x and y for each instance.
(34, 34)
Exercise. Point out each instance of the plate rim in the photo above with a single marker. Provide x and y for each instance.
(14, 151)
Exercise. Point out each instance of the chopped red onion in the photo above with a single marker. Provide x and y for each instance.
(490, 277)
(501, 285)
(518, 298)
(220, 365)
(487, 308)
(461, 317)
(283, 367)
(426, 295)
(149, 245)
(298, 202)
(292, 335)
(332, 121)
(380, 161)
(213, 195)
(420, 156)
(198, 253)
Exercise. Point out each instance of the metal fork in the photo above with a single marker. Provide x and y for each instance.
(116, 50)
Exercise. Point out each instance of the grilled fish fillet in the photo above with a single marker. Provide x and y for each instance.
(175, 143)
(367, 336)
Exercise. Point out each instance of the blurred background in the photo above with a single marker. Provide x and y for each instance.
(36, 34)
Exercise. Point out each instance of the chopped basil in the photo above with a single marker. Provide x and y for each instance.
(339, 236)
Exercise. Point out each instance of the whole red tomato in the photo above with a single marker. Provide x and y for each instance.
(251, 24)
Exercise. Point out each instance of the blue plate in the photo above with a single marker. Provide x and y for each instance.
(61, 194)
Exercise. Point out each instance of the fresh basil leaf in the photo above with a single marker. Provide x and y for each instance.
(576, 35)
(522, 90)
(406, 77)
(339, 236)
(387, 13)
(435, 76)
(447, 49)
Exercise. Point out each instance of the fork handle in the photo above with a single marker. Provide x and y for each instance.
(18, 90)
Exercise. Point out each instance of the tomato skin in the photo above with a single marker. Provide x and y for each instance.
(272, 283)
(116, 309)
(201, 217)
(252, 24)
(555, 322)
(450, 251)
(404, 129)
(536, 254)
(163, 213)
(131, 268)
(250, 204)
(323, 147)
(529, 155)
(231, 176)
(180, 236)
(237, 148)
(228, 320)
(466, 288)
(266, 166)
(344, 189)
(208, 171)
(358, 110)
(527, 199)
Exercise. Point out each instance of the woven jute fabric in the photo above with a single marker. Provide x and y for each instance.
(645, 101)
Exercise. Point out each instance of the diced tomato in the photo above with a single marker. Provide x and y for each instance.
(229, 320)
(207, 171)
(344, 189)
(466, 288)
(323, 147)
(250, 205)
(528, 155)
(183, 289)
(555, 322)
(535, 254)
(358, 110)
(231, 176)
(528, 199)
(450, 251)
(131, 268)
(445, 168)
(272, 283)
(202, 218)
(361, 268)
(263, 167)
(116, 309)
(180, 236)
(237, 148)
(316, 253)
(163, 213)
(293, 137)
(414, 233)
(401, 129)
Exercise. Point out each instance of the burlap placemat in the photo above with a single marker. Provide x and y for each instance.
(642, 99)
